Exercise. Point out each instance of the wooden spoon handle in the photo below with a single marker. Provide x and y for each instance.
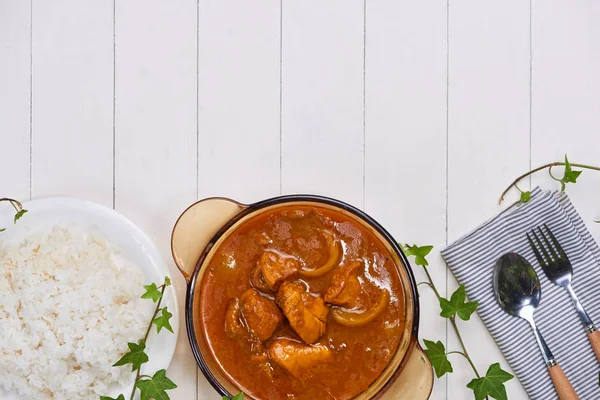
(561, 383)
(594, 338)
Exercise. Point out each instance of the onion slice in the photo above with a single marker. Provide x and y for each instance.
(353, 319)
(335, 254)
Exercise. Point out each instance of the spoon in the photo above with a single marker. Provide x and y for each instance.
(518, 291)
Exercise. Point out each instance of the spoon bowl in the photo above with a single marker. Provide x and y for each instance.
(518, 291)
(516, 285)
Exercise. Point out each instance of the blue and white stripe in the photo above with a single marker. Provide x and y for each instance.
(472, 259)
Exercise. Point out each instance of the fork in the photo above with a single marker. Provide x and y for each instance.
(558, 269)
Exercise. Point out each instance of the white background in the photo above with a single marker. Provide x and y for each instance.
(418, 111)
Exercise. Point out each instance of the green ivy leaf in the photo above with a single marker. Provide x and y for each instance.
(163, 321)
(121, 397)
(419, 253)
(135, 356)
(152, 292)
(2, 229)
(19, 214)
(525, 196)
(167, 281)
(437, 355)
(492, 384)
(570, 176)
(458, 305)
(155, 387)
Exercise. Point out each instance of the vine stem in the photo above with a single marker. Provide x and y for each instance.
(15, 203)
(462, 344)
(550, 165)
(465, 353)
(431, 284)
(425, 283)
(138, 374)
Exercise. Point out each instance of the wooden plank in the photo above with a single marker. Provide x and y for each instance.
(566, 112)
(322, 98)
(405, 120)
(15, 69)
(238, 104)
(72, 104)
(488, 141)
(566, 96)
(238, 96)
(155, 94)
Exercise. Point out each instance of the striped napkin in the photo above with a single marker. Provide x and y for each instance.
(472, 259)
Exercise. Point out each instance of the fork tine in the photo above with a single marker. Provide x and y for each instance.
(535, 251)
(541, 247)
(547, 242)
(561, 251)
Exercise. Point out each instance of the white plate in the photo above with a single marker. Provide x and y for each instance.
(136, 246)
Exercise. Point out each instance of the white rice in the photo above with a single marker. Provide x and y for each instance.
(69, 303)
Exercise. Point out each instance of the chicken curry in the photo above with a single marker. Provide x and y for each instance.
(302, 303)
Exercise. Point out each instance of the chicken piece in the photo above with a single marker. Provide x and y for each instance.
(257, 280)
(298, 358)
(276, 269)
(345, 289)
(261, 314)
(233, 325)
(306, 313)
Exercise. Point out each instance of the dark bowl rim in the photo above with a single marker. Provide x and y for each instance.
(249, 209)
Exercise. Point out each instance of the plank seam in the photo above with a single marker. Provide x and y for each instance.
(280, 96)
(197, 114)
(30, 99)
(114, 108)
(530, 86)
(197, 138)
(364, 183)
(447, 148)
(197, 385)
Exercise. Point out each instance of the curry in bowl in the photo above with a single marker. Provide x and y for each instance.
(302, 302)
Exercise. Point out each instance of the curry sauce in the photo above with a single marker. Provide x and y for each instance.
(302, 303)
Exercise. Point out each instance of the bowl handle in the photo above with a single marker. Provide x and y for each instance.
(416, 379)
(196, 226)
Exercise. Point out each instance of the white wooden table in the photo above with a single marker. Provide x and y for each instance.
(420, 112)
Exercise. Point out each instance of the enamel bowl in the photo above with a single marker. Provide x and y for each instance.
(204, 226)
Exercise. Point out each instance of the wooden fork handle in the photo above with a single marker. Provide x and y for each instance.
(594, 338)
(563, 387)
